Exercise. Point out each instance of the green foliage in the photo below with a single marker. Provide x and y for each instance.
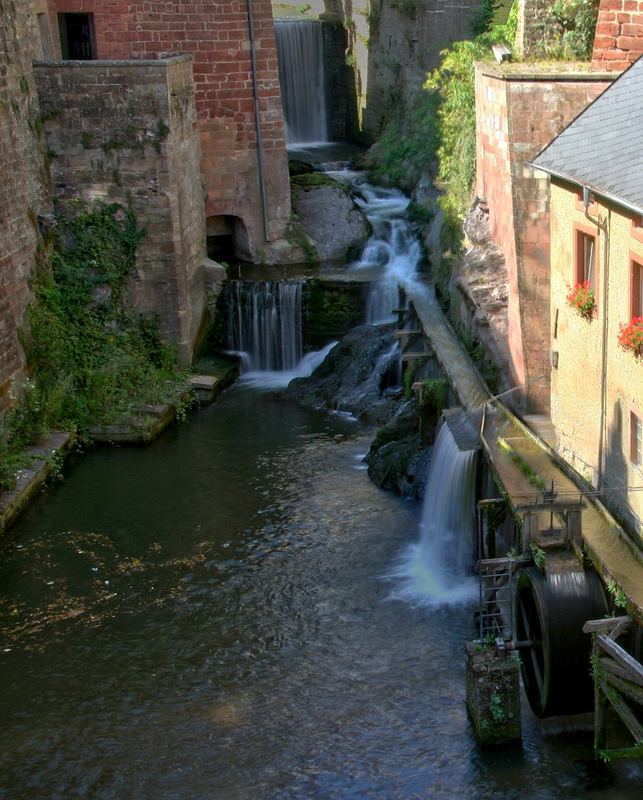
(408, 145)
(618, 595)
(435, 395)
(577, 18)
(408, 7)
(538, 555)
(532, 476)
(454, 81)
(91, 361)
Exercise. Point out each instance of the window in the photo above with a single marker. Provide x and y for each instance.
(586, 258)
(637, 290)
(636, 439)
(76, 36)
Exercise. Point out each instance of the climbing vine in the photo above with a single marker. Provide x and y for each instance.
(91, 360)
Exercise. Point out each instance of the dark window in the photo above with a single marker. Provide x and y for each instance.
(637, 289)
(586, 259)
(76, 36)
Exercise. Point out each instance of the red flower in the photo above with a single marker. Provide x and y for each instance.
(581, 297)
(630, 336)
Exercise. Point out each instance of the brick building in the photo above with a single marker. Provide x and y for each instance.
(166, 105)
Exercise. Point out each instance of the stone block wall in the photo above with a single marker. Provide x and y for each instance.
(519, 109)
(217, 34)
(619, 34)
(126, 132)
(23, 181)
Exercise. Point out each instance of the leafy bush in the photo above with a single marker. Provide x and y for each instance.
(577, 18)
(91, 361)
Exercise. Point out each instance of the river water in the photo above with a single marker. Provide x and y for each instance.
(207, 618)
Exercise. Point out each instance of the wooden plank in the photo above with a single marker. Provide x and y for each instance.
(556, 507)
(603, 625)
(609, 665)
(625, 687)
(624, 624)
(617, 652)
(625, 713)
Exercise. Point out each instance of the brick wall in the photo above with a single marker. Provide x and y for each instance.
(619, 34)
(23, 181)
(126, 132)
(216, 33)
(520, 109)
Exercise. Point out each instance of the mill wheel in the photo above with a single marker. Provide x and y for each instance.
(549, 612)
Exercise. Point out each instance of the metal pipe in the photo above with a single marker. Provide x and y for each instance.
(255, 92)
(604, 227)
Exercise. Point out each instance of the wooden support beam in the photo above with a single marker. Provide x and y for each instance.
(621, 656)
(624, 685)
(625, 713)
(605, 625)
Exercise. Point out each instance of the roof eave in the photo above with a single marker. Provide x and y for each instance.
(595, 189)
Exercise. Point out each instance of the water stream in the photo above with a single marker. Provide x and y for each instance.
(301, 76)
(212, 617)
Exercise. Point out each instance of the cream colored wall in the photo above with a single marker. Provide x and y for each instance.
(576, 383)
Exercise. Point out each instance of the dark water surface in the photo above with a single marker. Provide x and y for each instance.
(206, 618)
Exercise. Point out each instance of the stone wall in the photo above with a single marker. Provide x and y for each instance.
(403, 46)
(216, 33)
(619, 34)
(519, 109)
(126, 132)
(537, 29)
(23, 181)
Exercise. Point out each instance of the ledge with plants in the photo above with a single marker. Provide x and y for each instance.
(92, 361)
(581, 298)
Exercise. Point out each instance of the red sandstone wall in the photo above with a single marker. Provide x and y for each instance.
(215, 32)
(518, 111)
(127, 134)
(619, 34)
(23, 181)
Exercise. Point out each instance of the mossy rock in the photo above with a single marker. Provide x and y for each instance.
(311, 180)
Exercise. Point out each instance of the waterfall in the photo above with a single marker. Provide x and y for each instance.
(265, 330)
(433, 571)
(393, 250)
(264, 323)
(303, 86)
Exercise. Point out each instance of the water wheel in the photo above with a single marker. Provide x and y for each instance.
(550, 609)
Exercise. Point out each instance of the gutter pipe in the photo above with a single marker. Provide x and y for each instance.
(255, 92)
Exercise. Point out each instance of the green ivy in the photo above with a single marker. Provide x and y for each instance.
(91, 360)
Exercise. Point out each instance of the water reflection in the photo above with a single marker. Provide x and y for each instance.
(204, 619)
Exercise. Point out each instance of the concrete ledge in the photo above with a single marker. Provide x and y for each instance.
(45, 459)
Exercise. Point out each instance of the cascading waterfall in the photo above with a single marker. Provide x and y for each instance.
(393, 249)
(433, 571)
(264, 324)
(303, 86)
(265, 330)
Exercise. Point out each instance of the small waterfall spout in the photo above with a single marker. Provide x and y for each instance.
(303, 85)
(264, 324)
(434, 570)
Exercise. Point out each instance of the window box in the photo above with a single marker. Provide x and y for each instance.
(581, 298)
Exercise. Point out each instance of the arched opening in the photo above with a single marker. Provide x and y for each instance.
(226, 237)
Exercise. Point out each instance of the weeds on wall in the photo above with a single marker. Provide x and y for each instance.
(91, 361)
(437, 135)
(577, 21)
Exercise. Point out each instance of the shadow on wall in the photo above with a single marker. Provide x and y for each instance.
(616, 472)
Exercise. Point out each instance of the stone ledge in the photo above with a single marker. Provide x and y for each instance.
(545, 71)
(30, 479)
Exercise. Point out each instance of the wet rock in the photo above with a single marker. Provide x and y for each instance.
(354, 377)
(398, 459)
(328, 214)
